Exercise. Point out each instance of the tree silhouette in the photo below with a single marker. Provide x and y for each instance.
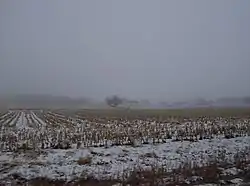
(114, 101)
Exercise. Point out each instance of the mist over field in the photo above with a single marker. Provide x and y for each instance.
(157, 51)
(130, 92)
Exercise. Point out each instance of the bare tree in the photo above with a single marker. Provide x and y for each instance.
(114, 101)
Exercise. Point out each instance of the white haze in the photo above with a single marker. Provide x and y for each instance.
(143, 49)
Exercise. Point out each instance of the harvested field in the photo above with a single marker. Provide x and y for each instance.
(129, 147)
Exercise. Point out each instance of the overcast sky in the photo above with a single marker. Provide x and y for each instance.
(155, 49)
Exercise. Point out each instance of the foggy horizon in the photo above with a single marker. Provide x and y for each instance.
(155, 50)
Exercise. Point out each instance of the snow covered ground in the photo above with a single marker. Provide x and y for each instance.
(34, 129)
(106, 162)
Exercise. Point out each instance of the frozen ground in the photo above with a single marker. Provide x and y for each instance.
(106, 162)
(28, 139)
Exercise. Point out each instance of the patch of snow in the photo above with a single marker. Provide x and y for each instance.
(236, 181)
(231, 171)
(38, 119)
(21, 122)
(113, 161)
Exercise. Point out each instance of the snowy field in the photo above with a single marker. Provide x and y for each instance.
(57, 146)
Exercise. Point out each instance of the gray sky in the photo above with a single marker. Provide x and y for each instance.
(155, 49)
